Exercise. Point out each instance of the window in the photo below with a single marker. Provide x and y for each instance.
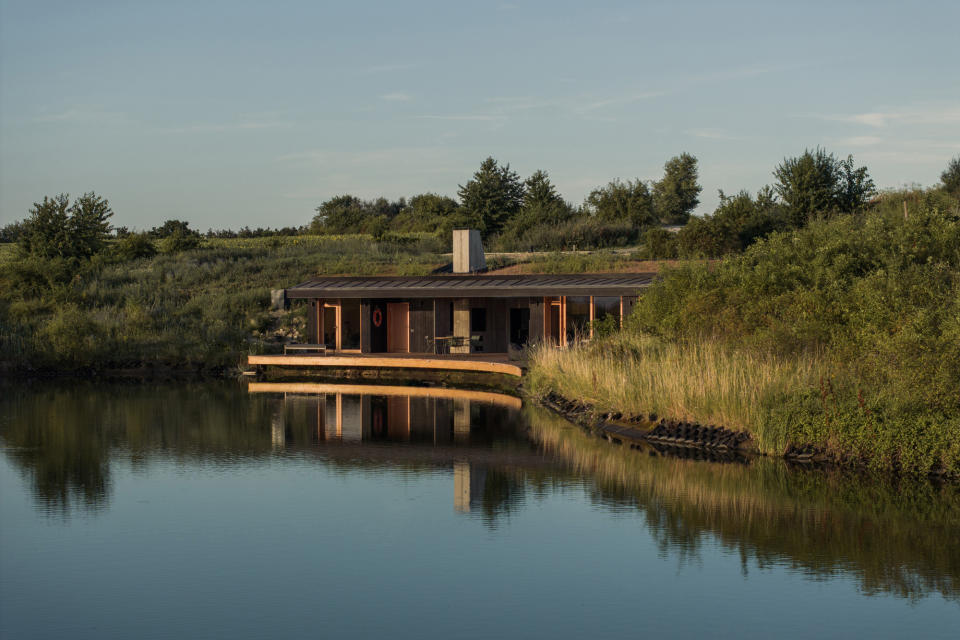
(606, 306)
(478, 320)
(578, 318)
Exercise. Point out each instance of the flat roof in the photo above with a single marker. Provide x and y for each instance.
(473, 286)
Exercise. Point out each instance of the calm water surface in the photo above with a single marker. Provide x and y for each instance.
(204, 510)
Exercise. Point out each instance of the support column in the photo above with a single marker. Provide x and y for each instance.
(461, 324)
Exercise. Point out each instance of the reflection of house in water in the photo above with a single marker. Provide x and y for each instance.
(442, 427)
(351, 417)
(468, 485)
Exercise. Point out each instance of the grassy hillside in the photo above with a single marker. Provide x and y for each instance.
(205, 308)
(844, 335)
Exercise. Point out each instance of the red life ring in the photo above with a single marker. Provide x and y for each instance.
(377, 317)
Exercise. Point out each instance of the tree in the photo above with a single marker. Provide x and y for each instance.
(172, 227)
(349, 214)
(675, 196)
(854, 186)
(89, 224)
(47, 232)
(628, 201)
(816, 183)
(428, 212)
(492, 198)
(340, 214)
(56, 228)
(737, 222)
(542, 205)
(12, 231)
(951, 177)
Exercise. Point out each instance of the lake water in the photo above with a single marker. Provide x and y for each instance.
(206, 510)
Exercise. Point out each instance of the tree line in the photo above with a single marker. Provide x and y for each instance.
(509, 210)
(512, 213)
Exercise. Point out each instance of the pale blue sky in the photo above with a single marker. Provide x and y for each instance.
(232, 113)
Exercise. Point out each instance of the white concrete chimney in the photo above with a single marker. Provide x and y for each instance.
(468, 251)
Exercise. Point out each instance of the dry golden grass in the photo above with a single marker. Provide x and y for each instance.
(701, 381)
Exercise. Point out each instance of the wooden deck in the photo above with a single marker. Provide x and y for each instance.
(483, 363)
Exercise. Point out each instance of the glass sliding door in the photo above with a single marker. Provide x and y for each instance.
(350, 325)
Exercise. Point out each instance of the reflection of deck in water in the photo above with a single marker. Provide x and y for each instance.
(489, 363)
(499, 399)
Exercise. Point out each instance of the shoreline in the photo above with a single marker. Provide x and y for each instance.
(713, 441)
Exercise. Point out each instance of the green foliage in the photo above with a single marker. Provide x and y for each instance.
(816, 183)
(12, 232)
(491, 198)
(676, 195)
(172, 227)
(428, 212)
(349, 214)
(579, 232)
(874, 296)
(55, 228)
(204, 308)
(179, 241)
(738, 222)
(659, 244)
(134, 245)
(542, 206)
(72, 334)
(619, 201)
(950, 178)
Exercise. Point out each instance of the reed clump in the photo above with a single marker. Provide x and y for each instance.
(699, 381)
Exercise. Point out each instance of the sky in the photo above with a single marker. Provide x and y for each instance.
(231, 114)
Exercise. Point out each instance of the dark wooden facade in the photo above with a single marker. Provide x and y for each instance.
(480, 314)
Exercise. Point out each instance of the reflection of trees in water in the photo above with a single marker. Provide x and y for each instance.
(895, 536)
(64, 439)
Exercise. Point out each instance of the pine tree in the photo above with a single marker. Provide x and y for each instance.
(492, 198)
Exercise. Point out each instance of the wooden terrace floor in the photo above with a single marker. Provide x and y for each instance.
(478, 362)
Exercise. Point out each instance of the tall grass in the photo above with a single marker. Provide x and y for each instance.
(700, 380)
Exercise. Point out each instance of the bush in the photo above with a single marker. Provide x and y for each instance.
(179, 241)
(584, 232)
(659, 244)
(133, 246)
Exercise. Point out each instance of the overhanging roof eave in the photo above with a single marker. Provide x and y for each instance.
(512, 292)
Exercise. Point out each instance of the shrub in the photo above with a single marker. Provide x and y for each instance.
(133, 246)
(179, 241)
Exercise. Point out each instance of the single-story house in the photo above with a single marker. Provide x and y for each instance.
(464, 312)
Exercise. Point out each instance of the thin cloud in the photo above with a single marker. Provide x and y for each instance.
(466, 117)
(711, 134)
(317, 158)
(860, 141)
(396, 97)
(214, 127)
(908, 115)
(618, 101)
(389, 68)
(80, 115)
